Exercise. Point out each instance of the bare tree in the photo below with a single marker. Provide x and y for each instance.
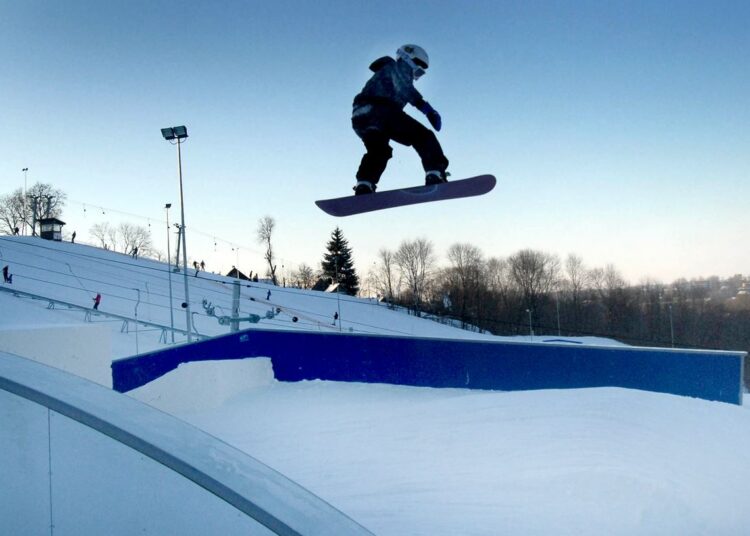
(125, 237)
(42, 201)
(498, 276)
(466, 277)
(264, 234)
(535, 273)
(385, 278)
(135, 237)
(611, 289)
(416, 261)
(11, 212)
(304, 277)
(103, 232)
(577, 280)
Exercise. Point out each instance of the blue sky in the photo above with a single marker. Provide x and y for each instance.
(617, 130)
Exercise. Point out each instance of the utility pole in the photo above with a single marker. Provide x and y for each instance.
(25, 201)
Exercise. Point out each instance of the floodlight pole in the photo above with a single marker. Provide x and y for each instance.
(184, 247)
(169, 271)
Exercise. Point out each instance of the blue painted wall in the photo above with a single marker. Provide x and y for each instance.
(506, 366)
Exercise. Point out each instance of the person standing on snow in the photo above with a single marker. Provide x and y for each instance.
(378, 117)
(97, 301)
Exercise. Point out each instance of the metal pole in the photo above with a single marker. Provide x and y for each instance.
(137, 351)
(531, 328)
(179, 242)
(671, 324)
(169, 271)
(25, 201)
(188, 318)
(235, 323)
(33, 219)
(338, 298)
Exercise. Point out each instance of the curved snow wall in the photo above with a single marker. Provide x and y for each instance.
(78, 458)
(471, 364)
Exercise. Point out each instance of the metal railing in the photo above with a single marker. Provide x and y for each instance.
(52, 303)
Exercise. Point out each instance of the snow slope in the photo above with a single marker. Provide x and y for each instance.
(404, 460)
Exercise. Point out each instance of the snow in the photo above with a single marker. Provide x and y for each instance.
(405, 460)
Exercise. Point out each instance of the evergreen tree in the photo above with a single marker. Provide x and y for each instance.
(339, 256)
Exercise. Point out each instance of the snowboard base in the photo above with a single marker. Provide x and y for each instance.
(359, 204)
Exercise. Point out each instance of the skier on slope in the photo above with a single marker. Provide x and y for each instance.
(378, 117)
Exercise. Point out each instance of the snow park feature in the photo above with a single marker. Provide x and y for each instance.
(396, 459)
(499, 365)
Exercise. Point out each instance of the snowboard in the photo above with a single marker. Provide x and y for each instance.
(359, 204)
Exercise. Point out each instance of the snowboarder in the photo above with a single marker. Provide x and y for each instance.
(97, 301)
(378, 117)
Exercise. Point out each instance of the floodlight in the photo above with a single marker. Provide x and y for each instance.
(180, 133)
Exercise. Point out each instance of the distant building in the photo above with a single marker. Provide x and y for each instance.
(322, 284)
(236, 274)
(51, 229)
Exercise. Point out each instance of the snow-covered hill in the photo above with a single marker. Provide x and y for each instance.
(404, 460)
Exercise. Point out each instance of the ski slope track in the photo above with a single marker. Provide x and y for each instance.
(399, 459)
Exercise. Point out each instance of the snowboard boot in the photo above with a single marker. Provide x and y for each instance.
(364, 187)
(435, 177)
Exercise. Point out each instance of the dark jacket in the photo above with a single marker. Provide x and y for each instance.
(391, 85)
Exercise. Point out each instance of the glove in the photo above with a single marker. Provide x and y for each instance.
(432, 116)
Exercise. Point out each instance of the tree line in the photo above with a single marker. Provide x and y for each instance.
(536, 292)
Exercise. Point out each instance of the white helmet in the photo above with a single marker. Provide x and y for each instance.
(416, 57)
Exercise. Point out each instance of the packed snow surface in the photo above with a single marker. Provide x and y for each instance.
(405, 460)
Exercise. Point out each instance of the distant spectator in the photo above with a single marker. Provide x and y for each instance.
(196, 267)
(268, 296)
(7, 278)
(97, 301)
(15, 231)
(73, 238)
(134, 253)
(335, 317)
(203, 266)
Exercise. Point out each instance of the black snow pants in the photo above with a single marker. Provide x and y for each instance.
(379, 125)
